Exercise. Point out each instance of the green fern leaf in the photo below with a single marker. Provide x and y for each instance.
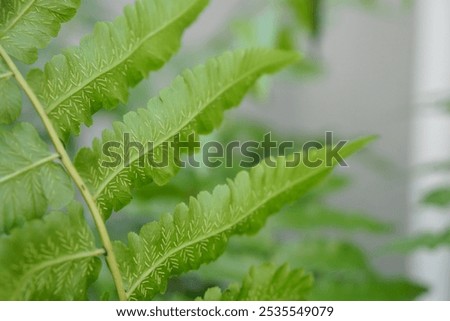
(11, 104)
(114, 57)
(193, 104)
(30, 180)
(266, 283)
(50, 259)
(198, 233)
(29, 25)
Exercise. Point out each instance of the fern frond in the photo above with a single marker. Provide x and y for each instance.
(50, 259)
(114, 57)
(193, 104)
(266, 283)
(29, 25)
(11, 97)
(198, 233)
(30, 180)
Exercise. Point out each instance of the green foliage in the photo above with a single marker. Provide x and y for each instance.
(29, 25)
(47, 249)
(286, 25)
(11, 97)
(30, 180)
(342, 272)
(439, 197)
(308, 14)
(266, 283)
(193, 104)
(114, 57)
(49, 259)
(318, 216)
(367, 288)
(197, 233)
(424, 240)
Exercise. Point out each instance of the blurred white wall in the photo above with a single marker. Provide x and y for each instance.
(430, 139)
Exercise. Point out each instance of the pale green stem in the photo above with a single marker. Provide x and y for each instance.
(29, 168)
(6, 75)
(65, 160)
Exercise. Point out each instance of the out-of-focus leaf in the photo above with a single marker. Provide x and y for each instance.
(317, 216)
(363, 287)
(439, 197)
(424, 240)
(266, 283)
(309, 15)
(342, 272)
(322, 255)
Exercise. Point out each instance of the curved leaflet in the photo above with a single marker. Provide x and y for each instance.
(50, 259)
(30, 180)
(29, 25)
(198, 233)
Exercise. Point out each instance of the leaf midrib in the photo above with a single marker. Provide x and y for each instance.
(111, 176)
(28, 168)
(16, 19)
(50, 263)
(91, 79)
(219, 231)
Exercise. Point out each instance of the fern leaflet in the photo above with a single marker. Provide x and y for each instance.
(50, 259)
(29, 25)
(30, 180)
(11, 104)
(198, 233)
